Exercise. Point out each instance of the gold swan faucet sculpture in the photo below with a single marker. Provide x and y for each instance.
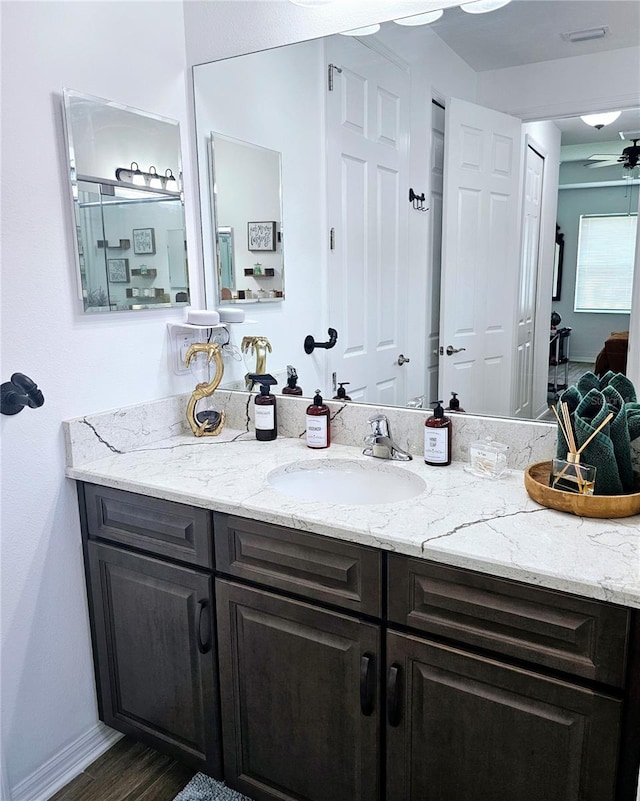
(207, 423)
(260, 345)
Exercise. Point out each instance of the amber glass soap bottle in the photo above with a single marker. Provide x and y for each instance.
(437, 438)
(318, 423)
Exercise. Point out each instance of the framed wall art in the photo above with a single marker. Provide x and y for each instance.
(118, 270)
(144, 241)
(261, 235)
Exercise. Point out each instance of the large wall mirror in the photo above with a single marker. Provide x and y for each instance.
(126, 173)
(422, 218)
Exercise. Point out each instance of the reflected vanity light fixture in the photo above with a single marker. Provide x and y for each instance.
(483, 6)
(151, 179)
(155, 181)
(137, 177)
(170, 183)
(366, 31)
(420, 19)
(598, 121)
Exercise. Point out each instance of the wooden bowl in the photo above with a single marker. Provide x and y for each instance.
(536, 482)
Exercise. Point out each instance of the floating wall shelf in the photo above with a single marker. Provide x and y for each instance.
(269, 272)
(148, 273)
(125, 244)
(156, 293)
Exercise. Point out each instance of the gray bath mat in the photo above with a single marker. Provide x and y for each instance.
(204, 788)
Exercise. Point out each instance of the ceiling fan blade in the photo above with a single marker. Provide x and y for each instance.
(610, 162)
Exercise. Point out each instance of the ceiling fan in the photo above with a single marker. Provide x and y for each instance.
(629, 158)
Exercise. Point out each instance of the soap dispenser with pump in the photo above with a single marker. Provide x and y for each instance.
(292, 387)
(437, 438)
(341, 394)
(266, 418)
(318, 423)
(454, 404)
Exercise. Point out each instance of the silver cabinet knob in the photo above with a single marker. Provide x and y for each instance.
(402, 359)
(451, 350)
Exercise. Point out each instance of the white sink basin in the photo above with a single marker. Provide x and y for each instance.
(346, 481)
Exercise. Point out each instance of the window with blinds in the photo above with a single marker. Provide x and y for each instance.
(604, 270)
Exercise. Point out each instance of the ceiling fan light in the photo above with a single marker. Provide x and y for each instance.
(420, 19)
(366, 31)
(598, 121)
(483, 6)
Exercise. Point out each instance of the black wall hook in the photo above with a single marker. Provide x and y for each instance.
(21, 391)
(310, 344)
(417, 201)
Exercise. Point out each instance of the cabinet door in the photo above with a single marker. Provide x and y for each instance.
(462, 727)
(299, 697)
(155, 659)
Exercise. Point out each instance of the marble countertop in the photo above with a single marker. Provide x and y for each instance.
(487, 525)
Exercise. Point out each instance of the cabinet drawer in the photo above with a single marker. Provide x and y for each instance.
(318, 568)
(582, 637)
(160, 527)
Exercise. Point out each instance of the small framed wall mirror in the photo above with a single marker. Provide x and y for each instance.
(246, 195)
(125, 171)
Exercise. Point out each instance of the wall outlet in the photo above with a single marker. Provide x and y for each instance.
(181, 337)
(181, 340)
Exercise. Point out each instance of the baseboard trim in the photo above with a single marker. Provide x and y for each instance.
(65, 765)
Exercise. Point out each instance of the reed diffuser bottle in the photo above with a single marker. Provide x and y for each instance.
(570, 475)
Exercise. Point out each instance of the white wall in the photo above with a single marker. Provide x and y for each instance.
(132, 53)
(282, 110)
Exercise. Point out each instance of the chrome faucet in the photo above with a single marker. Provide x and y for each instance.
(380, 444)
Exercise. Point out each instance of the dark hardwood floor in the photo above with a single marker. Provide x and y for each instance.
(128, 771)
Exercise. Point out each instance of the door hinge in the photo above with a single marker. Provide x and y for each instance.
(332, 239)
(330, 70)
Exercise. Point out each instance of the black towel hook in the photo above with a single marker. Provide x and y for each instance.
(417, 201)
(310, 344)
(21, 391)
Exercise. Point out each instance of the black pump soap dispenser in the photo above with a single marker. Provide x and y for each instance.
(437, 438)
(292, 387)
(454, 404)
(341, 394)
(266, 419)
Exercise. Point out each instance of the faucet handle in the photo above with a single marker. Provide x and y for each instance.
(379, 425)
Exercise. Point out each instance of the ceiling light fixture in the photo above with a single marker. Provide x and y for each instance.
(366, 31)
(420, 19)
(483, 6)
(310, 3)
(598, 121)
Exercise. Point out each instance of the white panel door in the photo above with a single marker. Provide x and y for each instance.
(527, 290)
(480, 257)
(367, 177)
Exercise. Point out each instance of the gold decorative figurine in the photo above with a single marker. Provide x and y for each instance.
(207, 423)
(259, 345)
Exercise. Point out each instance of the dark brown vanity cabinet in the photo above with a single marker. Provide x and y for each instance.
(321, 670)
(464, 727)
(153, 623)
(299, 683)
(299, 688)
(471, 720)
